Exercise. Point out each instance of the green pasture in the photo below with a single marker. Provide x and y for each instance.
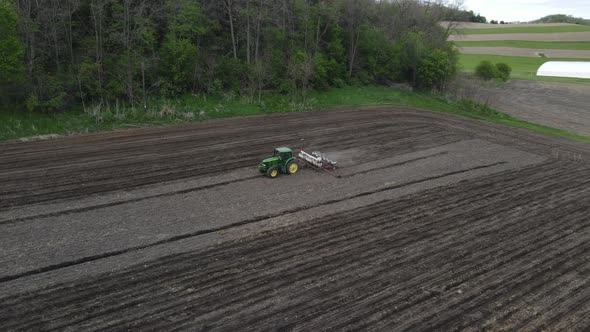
(522, 67)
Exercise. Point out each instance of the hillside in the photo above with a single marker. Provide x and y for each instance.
(562, 18)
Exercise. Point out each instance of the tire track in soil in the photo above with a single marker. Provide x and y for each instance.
(573, 174)
(115, 184)
(152, 293)
(557, 287)
(240, 223)
(188, 169)
(296, 244)
(502, 203)
(159, 279)
(346, 316)
(517, 279)
(515, 236)
(195, 189)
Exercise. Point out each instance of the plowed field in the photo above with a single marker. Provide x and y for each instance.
(554, 36)
(432, 222)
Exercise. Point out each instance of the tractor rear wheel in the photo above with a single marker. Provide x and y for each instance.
(292, 167)
(272, 172)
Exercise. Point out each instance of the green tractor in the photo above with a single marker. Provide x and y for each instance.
(281, 161)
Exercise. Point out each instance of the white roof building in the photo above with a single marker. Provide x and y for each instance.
(576, 69)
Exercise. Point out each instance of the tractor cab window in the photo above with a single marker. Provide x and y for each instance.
(282, 155)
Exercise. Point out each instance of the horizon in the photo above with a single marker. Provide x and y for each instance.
(527, 10)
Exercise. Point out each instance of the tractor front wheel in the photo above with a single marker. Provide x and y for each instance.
(292, 168)
(272, 172)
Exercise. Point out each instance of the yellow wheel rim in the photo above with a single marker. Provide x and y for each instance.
(274, 173)
(293, 168)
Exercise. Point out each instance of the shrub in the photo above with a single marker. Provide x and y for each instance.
(504, 71)
(434, 70)
(177, 64)
(32, 102)
(486, 70)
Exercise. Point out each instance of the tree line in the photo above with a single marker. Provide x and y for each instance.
(454, 13)
(58, 54)
(562, 18)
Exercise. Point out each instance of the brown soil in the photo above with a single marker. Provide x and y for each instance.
(526, 52)
(559, 105)
(472, 25)
(433, 222)
(557, 36)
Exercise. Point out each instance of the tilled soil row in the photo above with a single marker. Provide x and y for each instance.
(451, 257)
(84, 184)
(145, 167)
(106, 254)
(426, 199)
(504, 251)
(70, 168)
(553, 36)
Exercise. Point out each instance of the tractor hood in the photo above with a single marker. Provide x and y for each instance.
(270, 160)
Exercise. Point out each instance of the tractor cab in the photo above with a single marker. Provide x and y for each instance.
(282, 161)
(283, 153)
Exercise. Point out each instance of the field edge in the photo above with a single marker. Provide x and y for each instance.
(349, 97)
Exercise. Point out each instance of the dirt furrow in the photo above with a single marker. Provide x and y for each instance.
(506, 247)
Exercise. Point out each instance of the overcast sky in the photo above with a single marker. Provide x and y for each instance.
(527, 10)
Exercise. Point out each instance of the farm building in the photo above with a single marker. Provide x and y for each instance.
(576, 69)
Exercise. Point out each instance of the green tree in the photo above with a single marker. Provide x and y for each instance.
(186, 19)
(412, 48)
(377, 55)
(301, 71)
(504, 71)
(178, 57)
(486, 70)
(435, 70)
(101, 51)
(11, 49)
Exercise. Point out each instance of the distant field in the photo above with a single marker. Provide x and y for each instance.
(582, 55)
(527, 29)
(577, 36)
(522, 67)
(473, 25)
(520, 45)
(526, 44)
